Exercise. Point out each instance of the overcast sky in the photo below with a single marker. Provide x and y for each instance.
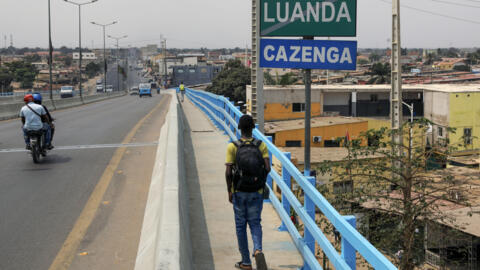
(223, 23)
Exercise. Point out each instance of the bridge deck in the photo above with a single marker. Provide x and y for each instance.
(214, 243)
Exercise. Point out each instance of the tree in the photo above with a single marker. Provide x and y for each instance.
(392, 186)
(5, 78)
(92, 69)
(23, 72)
(232, 81)
(33, 58)
(374, 57)
(380, 72)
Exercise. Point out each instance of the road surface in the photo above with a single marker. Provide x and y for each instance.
(44, 207)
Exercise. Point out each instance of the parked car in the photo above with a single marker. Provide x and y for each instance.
(145, 90)
(100, 88)
(134, 91)
(99, 81)
(109, 88)
(67, 91)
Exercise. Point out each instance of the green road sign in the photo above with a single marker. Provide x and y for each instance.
(321, 18)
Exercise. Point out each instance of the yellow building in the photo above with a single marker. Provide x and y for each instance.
(324, 131)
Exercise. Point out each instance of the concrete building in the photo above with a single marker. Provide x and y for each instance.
(149, 50)
(191, 75)
(454, 105)
(325, 131)
(87, 57)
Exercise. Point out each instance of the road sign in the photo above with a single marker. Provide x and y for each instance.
(308, 54)
(326, 18)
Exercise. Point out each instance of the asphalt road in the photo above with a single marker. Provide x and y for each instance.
(40, 203)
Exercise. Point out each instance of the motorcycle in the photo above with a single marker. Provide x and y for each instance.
(37, 143)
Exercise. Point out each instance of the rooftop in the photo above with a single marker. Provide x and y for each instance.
(272, 127)
(448, 88)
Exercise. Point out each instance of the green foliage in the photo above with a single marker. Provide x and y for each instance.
(22, 72)
(32, 58)
(6, 78)
(92, 69)
(362, 61)
(392, 188)
(381, 73)
(462, 68)
(374, 57)
(232, 81)
(286, 79)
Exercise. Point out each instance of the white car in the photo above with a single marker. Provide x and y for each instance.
(66, 91)
(109, 88)
(100, 88)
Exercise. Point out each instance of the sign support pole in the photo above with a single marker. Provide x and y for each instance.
(396, 113)
(257, 72)
(308, 115)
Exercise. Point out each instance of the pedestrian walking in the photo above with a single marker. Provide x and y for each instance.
(247, 166)
(182, 90)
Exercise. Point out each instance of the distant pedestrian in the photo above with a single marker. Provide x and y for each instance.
(247, 165)
(182, 90)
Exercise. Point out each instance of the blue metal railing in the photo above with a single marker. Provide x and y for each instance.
(225, 116)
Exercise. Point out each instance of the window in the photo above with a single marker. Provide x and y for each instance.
(342, 187)
(440, 132)
(293, 143)
(467, 135)
(180, 71)
(374, 98)
(298, 107)
(192, 70)
(331, 143)
(203, 70)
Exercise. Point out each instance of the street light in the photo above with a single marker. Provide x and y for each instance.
(50, 53)
(104, 53)
(118, 56)
(79, 5)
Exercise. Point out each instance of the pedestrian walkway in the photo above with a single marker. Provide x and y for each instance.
(212, 226)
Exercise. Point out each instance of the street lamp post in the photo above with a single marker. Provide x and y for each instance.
(50, 53)
(79, 5)
(104, 52)
(118, 56)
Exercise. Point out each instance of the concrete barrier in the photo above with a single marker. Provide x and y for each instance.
(11, 110)
(165, 240)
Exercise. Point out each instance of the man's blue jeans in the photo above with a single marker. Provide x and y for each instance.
(247, 207)
(48, 134)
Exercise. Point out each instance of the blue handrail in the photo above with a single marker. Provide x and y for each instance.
(225, 116)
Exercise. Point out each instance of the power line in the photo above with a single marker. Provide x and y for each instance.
(455, 3)
(435, 14)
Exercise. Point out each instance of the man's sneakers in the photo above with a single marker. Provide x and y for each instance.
(28, 147)
(260, 260)
(50, 147)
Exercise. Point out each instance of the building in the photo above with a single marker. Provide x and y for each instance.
(446, 105)
(149, 50)
(192, 75)
(87, 58)
(324, 131)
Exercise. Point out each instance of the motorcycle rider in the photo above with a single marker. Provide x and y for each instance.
(48, 126)
(33, 116)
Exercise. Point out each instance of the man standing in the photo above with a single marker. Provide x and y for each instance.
(182, 90)
(247, 166)
(33, 116)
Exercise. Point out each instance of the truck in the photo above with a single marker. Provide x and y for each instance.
(67, 91)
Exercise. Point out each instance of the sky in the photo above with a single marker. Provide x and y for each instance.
(225, 23)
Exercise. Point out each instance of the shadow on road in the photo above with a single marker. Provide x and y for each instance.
(56, 159)
(201, 248)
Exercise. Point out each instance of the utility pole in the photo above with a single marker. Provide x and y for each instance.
(118, 57)
(396, 113)
(50, 53)
(164, 50)
(79, 5)
(308, 116)
(104, 53)
(257, 72)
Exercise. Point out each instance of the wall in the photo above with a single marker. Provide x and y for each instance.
(465, 113)
(327, 132)
(275, 111)
(337, 102)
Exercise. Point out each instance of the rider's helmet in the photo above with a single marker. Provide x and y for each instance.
(28, 98)
(37, 98)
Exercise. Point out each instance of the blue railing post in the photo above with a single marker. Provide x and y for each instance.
(269, 177)
(348, 251)
(309, 206)
(288, 181)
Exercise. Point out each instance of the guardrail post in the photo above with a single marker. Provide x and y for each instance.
(309, 206)
(348, 251)
(238, 119)
(269, 177)
(287, 179)
(227, 110)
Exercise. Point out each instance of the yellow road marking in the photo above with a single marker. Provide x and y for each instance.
(66, 254)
